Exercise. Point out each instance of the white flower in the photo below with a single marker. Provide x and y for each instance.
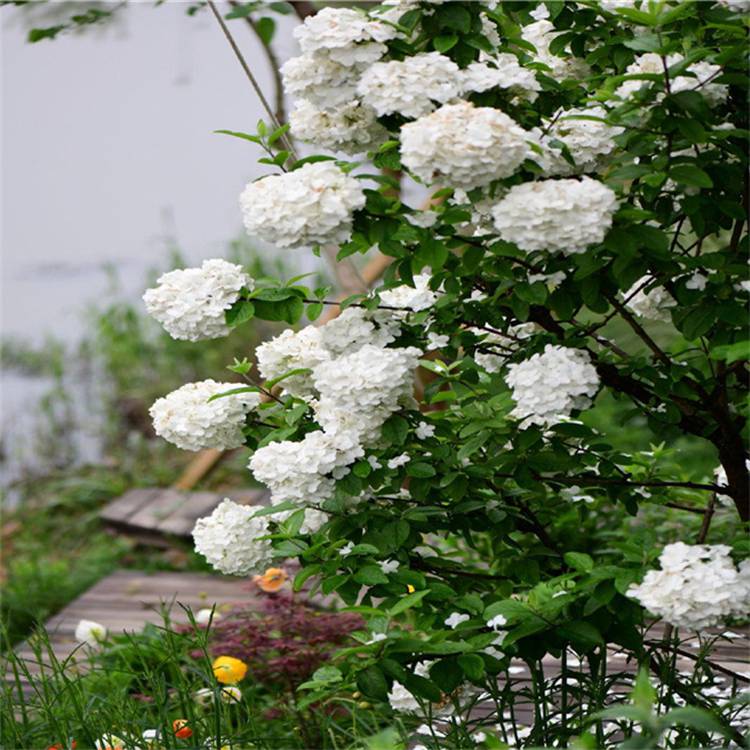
(497, 622)
(350, 128)
(416, 298)
(323, 82)
(112, 742)
(377, 638)
(565, 215)
(463, 146)
(359, 391)
(341, 34)
(612, 5)
(549, 386)
(437, 341)
(720, 474)
(230, 540)
(424, 430)
(190, 421)
(292, 350)
(401, 699)
(576, 495)
(697, 587)
(541, 33)
(228, 694)
(389, 566)
(652, 304)
(550, 280)
(700, 78)
(346, 550)
(410, 87)
(354, 328)
(304, 470)
(502, 71)
(424, 219)
(479, 737)
(152, 738)
(697, 281)
(190, 303)
(311, 205)
(90, 632)
(373, 461)
(400, 460)
(455, 619)
(590, 142)
(204, 616)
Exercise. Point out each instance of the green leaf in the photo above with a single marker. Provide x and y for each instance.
(447, 674)
(277, 134)
(265, 28)
(689, 174)
(697, 322)
(696, 718)
(279, 378)
(289, 310)
(454, 16)
(372, 683)
(370, 575)
(395, 429)
(732, 352)
(303, 575)
(240, 312)
(583, 636)
(420, 470)
(407, 602)
(579, 561)
(472, 666)
(238, 134)
(444, 42)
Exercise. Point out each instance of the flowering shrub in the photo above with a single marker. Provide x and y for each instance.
(587, 173)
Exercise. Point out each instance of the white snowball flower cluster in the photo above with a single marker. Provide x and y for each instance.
(292, 350)
(230, 539)
(652, 304)
(305, 470)
(541, 33)
(322, 82)
(311, 205)
(410, 87)
(463, 145)
(340, 34)
(416, 298)
(547, 387)
(502, 71)
(565, 215)
(351, 127)
(401, 699)
(590, 142)
(698, 586)
(354, 328)
(699, 78)
(361, 390)
(190, 303)
(190, 421)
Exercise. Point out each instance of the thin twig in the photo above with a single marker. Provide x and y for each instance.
(250, 76)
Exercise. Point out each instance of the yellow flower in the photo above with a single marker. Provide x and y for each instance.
(410, 588)
(229, 670)
(272, 580)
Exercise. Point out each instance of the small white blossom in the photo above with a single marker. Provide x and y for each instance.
(190, 303)
(90, 632)
(652, 304)
(424, 219)
(377, 638)
(346, 550)
(230, 539)
(400, 460)
(311, 205)
(389, 566)
(697, 587)
(416, 298)
(498, 622)
(541, 33)
(437, 341)
(424, 430)
(350, 128)
(228, 694)
(190, 421)
(556, 215)
(410, 87)
(204, 616)
(697, 281)
(463, 146)
(549, 386)
(401, 699)
(455, 619)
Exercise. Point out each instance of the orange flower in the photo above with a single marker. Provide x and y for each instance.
(181, 729)
(228, 670)
(272, 580)
(60, 746)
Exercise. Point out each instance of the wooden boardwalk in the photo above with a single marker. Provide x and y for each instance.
(152, 514)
